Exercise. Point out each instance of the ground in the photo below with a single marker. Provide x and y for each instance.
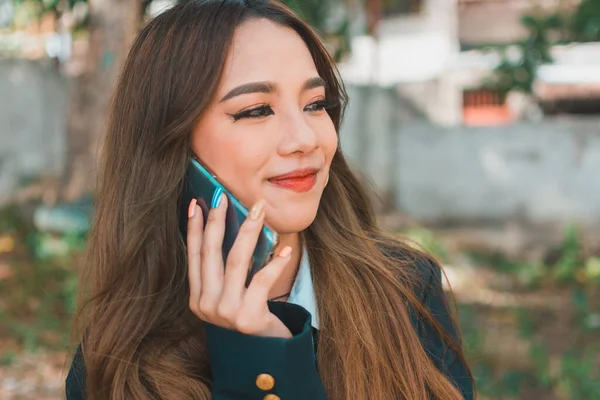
(528, 305)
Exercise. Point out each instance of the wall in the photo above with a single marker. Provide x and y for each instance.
(546, 171)
(416, 53)
(33, 101)
(499, 21)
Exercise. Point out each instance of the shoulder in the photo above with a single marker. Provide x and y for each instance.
(75, 382)
(446, 352)
(422, 271)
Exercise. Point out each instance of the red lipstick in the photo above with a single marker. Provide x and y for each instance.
(300, 181)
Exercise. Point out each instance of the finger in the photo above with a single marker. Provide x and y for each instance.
(253, 313)
(211, 255)
(240, 256)
(194, 244)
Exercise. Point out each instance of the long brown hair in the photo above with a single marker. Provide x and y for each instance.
(138, 336)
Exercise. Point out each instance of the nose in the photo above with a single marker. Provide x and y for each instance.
(298, 136)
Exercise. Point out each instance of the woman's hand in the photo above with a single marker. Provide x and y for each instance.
(217, 293)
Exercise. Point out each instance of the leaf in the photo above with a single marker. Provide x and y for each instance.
(579, 299)
(526, 324)
(592, 268)
(513, 381)
(530, 22)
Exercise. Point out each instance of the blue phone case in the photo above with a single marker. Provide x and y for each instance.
(202, 185)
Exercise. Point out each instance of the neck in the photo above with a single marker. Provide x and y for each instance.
(286, 280)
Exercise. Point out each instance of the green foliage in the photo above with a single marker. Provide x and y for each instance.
(580, 375)
(561, 364)
(506, 386)
(314, 12)
(541, 361)
(27, 11)
(592, 269)
(50, 5)
(585, 23)
(569, 267)
(571, 260)
(520, 61)
(426, 239)
(317, 14)
(40, 296)
(7, 358)
(518, 72)
(571, 374)
(529, 274)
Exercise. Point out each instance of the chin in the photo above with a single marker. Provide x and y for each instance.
(286, 222)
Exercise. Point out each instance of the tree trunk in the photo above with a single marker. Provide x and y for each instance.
(373, 8)
(113, 25)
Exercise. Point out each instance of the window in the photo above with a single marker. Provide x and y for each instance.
(391, 8)
(485, 107)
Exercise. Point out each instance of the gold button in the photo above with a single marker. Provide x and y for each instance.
(266, 382)
(272, 397)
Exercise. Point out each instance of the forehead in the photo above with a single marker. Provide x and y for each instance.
(261, 50)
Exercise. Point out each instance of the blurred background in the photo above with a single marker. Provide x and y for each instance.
(476, 121)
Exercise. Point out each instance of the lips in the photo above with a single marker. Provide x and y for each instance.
(300, 181)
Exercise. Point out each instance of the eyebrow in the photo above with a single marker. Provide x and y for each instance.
(268, 87)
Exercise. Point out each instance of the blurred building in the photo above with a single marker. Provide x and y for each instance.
(499, 21)
(440, 147)
(433, 53)
(413, 51)
(420, 125)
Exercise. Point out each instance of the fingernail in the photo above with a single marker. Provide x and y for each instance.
(192, 208)
(257, 210)
(287, 250)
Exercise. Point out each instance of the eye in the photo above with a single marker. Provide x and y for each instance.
(256, 112)
(319, 105)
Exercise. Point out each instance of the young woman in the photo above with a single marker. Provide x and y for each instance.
(341, 312)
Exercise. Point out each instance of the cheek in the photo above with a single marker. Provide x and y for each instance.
(237, 158)
(210, 146)
(329, 140)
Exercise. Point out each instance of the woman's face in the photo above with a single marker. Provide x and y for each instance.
(266, 134)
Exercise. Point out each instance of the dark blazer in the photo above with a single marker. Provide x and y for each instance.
(248, 367)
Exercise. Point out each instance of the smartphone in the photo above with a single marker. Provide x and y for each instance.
(202, 185)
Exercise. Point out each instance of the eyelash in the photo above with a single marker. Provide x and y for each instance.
(266, 110)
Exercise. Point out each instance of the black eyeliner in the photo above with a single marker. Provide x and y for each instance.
(324, 104)
(321, 104)
(247, 113)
